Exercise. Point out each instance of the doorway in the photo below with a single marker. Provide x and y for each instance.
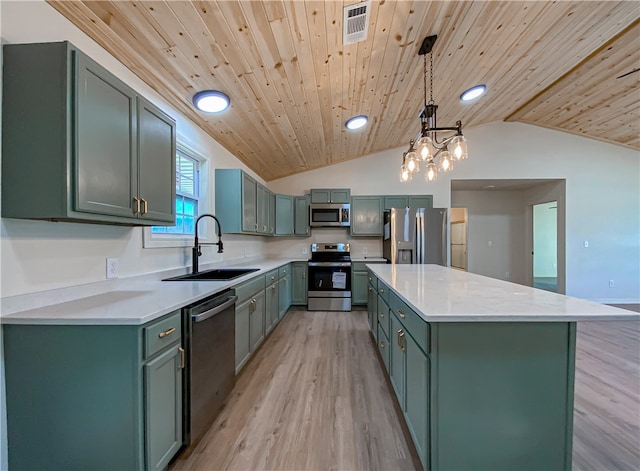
(459, 238)
(545, 246)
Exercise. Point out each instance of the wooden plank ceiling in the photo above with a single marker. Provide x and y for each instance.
(293, 83)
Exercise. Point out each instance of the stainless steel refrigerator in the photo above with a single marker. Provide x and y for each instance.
(415, 235)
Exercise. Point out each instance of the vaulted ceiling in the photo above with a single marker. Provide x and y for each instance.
(293, 83)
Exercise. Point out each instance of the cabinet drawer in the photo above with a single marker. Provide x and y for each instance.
(383, 347)
(284, 270)
(359, 266)
(383, 291)
(383, 315)
(373, 281)
(271, 276)
(416, 327)
(249, 288)
(161, 334)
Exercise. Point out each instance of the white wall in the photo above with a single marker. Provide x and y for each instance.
(602, 196)
(495, 228)
(545, 235)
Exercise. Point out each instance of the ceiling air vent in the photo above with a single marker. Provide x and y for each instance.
(356, 22)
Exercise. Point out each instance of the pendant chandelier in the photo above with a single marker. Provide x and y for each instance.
(430, 146)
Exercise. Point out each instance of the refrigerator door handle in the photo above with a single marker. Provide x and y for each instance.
(444, 238)
(420, 237)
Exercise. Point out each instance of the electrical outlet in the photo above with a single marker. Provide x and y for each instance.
(304, 251)
(611, 284)
(365, 250)
(112, 268)
(586, 243)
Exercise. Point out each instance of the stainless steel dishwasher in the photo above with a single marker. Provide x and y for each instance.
(210, 370)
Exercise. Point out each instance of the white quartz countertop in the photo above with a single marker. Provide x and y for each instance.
(440, 294)
(135, 300)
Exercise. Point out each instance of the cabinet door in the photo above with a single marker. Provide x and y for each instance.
(360, 281)
(243, 345)
(321, 196)
(163, 408)
(257, 308)
(263, 198)
(299, 283)
(421, 201)
(416, 407)
(272, 314)
(395, 202)
(284, 300)
(396, 364)
(156, 163)
(366, 216)
(249, 202)
(372, 309)
(272, 214)
(340, 195)
(284, 215)
(105, 161)
(301, 218)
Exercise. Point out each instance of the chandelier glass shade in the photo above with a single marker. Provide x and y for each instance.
(437, 146)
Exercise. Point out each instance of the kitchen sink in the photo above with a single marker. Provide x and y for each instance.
(220, 274)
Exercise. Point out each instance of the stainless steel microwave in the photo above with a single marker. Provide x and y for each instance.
(330, 215)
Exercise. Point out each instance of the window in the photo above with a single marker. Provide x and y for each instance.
(187, 194)
(191, 200)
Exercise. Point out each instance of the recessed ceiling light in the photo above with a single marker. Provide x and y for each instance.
(473, 93)
(356, 122)
(211, 101)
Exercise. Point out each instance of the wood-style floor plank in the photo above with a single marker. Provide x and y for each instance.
(314, 398)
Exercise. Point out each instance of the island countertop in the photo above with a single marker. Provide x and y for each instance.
(441, 294)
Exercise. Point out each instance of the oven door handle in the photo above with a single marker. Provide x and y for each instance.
(216, 310)
(329, 264)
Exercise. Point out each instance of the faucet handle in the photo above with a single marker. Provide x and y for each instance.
(220, 247)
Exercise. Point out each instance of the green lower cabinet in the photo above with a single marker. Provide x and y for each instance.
(416, 405)
(372, 309)
(99, 397)
(299, 283)
(383, 347)
(284, 299)
(273, 310)
(243, 344)
(257, 309)
(359, 284)
(163, 408)
(396, 359)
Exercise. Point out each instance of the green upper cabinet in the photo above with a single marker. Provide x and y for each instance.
(102, 154)
(263, 203)
(301, 216)
(284, 215)
(156, 163)
(331, 195)
(407, 201)
(249, 203)
(421, 201)
(366, 215)
(272, 213)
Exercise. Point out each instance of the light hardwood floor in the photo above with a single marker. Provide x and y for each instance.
(314, 398)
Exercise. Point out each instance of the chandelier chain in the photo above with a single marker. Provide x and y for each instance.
(431, 102)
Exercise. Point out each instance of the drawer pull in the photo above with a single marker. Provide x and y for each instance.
(181, 350)
(381, 314)
(382, 290)
(167, 332)
(381, 344)
(401, 339)
(369, 288)
(401, 314)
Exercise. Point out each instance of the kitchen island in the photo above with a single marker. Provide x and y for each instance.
(483, 369)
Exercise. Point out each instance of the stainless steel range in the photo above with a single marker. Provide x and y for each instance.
(329, 278)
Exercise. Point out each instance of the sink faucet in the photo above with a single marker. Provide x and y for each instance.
(195, 251)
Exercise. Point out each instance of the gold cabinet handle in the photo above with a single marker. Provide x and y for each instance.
(167, 332)
(370, 278)
(181, 350)
(381, 344)
(136, 203)
(381, 314)
(369, 288)
(273, 288)
(382, 290)
(304, 275)
(401, 314)
(401, 339)
(256, 226)
(145, 206)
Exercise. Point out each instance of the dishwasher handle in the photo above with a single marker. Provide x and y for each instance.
(216, 310)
